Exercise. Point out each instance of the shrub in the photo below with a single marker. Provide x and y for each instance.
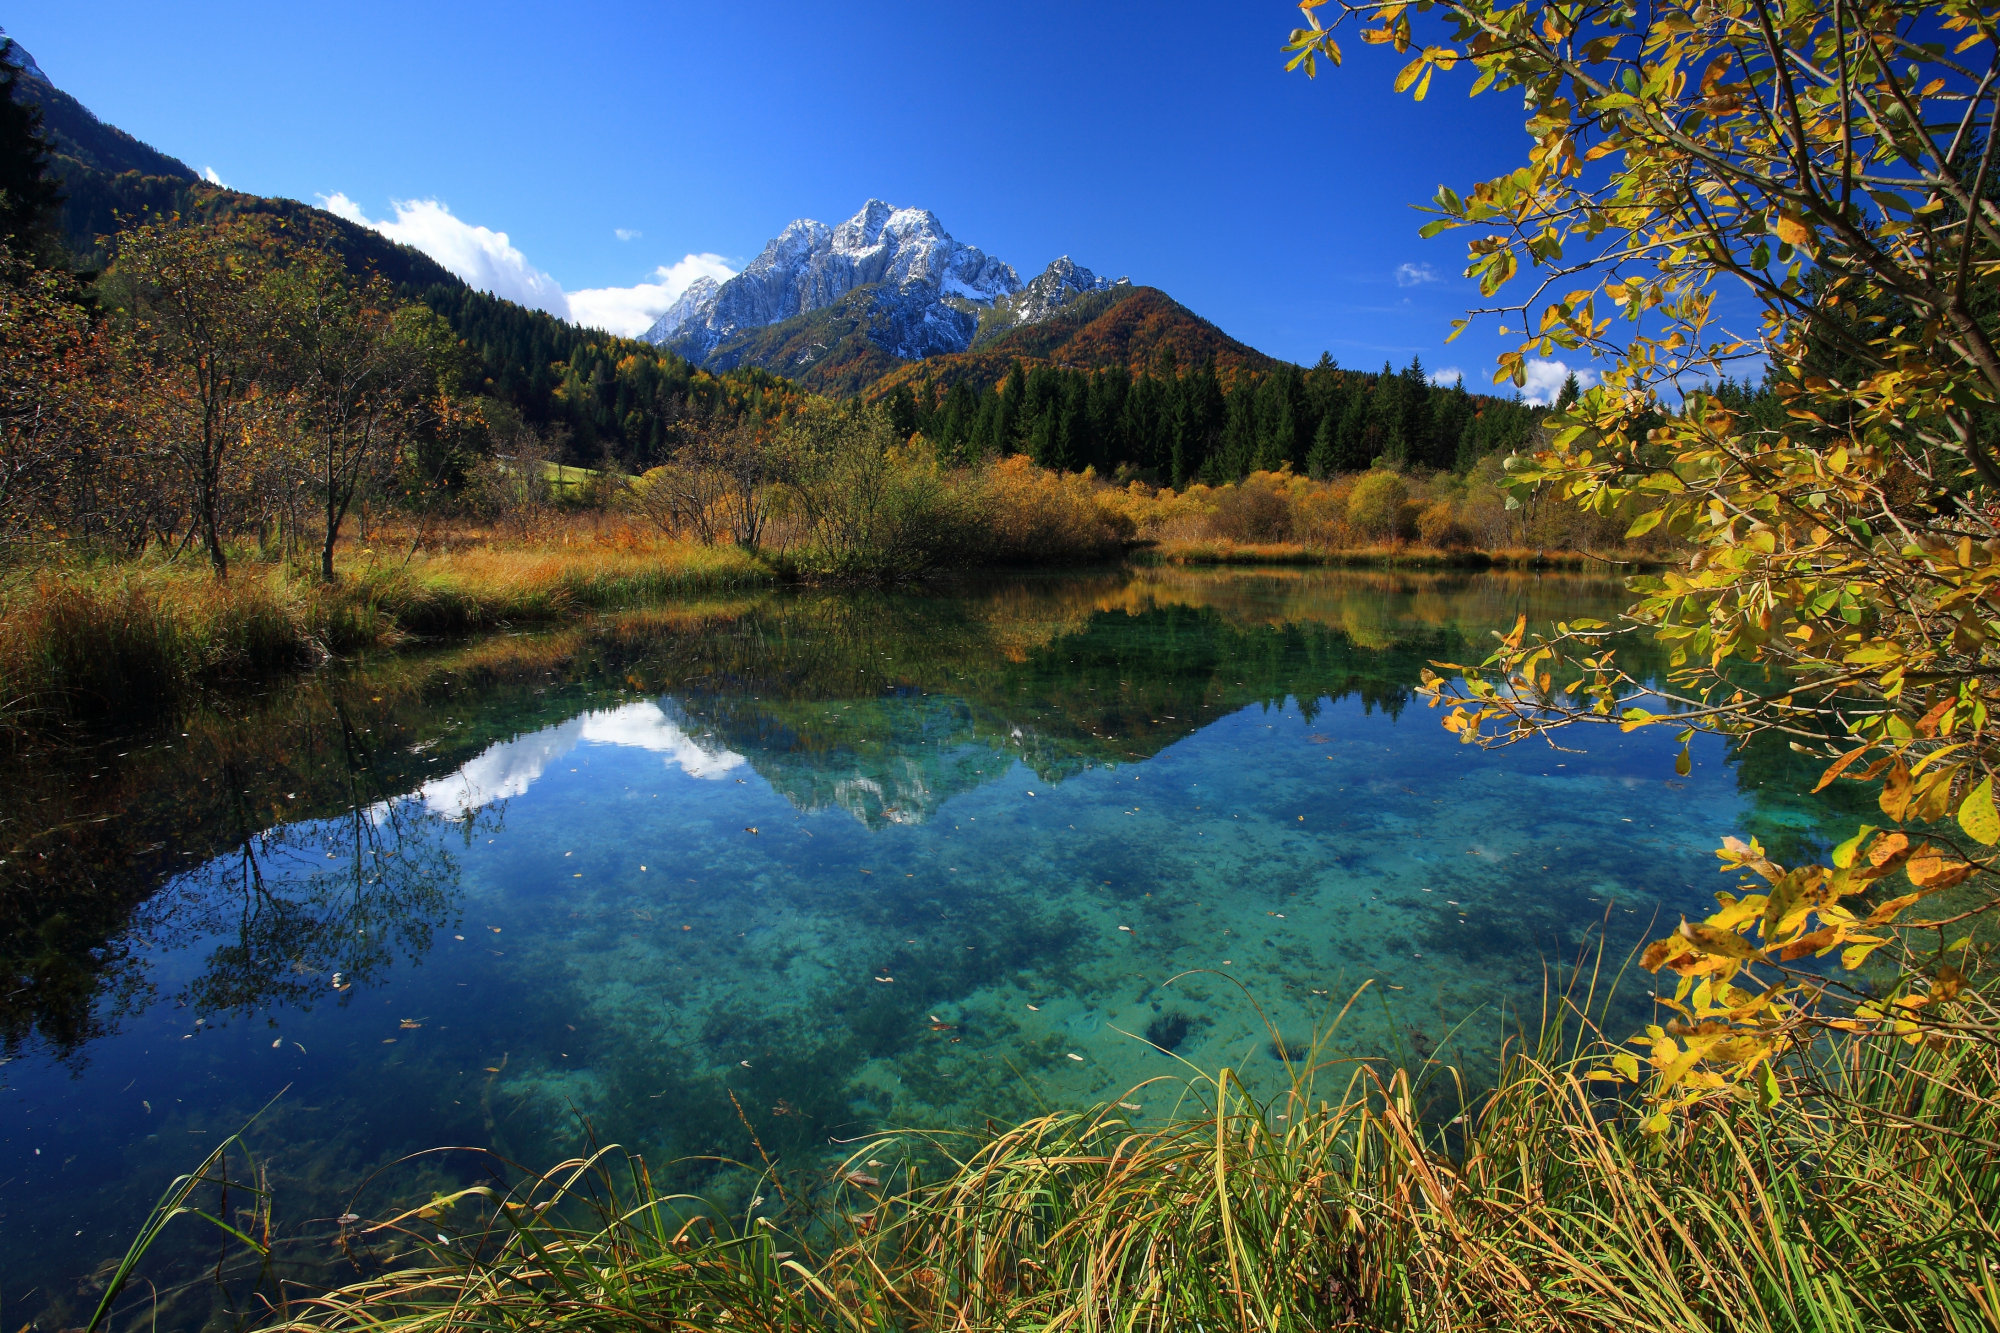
(1437, 525)
(1252, 513)
(1375, 507)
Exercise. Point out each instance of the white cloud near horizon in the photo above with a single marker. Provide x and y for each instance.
(627, 233)
(630, 311)
(488, 260)
(1545, 380)
(208, 174)
(1450, 375)
(1415, 275)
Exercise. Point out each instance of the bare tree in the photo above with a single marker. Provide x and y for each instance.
(199, 297)
(360, 375)
(717, 484)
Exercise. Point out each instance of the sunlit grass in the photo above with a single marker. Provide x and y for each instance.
(131, 639)
(1365, 1197)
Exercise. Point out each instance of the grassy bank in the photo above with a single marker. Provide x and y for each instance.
(132, 639)
(1222, 551)
(1365, 1198)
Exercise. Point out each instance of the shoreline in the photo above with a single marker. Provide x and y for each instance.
(126, 643)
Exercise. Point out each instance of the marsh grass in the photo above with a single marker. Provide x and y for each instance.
(1365, 1196)
(1224, 551)
(130, 640)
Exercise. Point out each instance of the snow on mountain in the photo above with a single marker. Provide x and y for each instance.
(935, 287)
(1052, 289)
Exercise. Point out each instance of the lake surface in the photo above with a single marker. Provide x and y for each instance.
(861, 860)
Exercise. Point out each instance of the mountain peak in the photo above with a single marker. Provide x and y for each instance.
(809, 266)
(18, 57)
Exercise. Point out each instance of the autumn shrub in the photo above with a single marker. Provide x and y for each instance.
(1437, 525)
(1252, 513)
(1036, 516)
(1375, 508)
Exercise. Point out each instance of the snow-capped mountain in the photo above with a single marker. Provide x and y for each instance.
(935, 288)
(1052, 289)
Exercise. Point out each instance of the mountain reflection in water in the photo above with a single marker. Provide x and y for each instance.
(821, 852)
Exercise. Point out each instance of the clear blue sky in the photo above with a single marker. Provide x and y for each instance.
(1163, 141)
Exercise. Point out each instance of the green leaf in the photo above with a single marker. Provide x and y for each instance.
(1978, 817)
(1843, 855)
(1683, 765)
(1645, 523)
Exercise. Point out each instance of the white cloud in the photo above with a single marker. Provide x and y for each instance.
(627, 233)
(484, 258)
(508, 768)
(630, 311)
(1449, 375)
(488, 260)
(1545, 380)
(1415, 275)
(208, 174)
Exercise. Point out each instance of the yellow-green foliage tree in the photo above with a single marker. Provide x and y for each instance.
(1838, 161)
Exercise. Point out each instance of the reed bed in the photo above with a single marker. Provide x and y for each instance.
(130, 640)
(1364, 1197)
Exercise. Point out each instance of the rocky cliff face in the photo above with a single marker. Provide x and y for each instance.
(931, 291)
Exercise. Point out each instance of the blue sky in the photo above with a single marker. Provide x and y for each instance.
(1163, 141)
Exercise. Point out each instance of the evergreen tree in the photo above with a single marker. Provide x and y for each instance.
(1571, 391)
(1323, 459)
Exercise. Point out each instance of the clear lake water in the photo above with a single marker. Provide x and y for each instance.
(862, 860)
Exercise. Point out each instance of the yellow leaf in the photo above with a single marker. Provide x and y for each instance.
(1977, 816)
(1709, 940)
(1792, 231)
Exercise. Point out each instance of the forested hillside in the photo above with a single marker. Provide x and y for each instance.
(1211, 424)
(587, 397)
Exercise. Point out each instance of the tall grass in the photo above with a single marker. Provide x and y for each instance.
(1364, 1197)
(135, 639)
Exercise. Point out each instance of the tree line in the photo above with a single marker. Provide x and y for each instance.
(1180, 426)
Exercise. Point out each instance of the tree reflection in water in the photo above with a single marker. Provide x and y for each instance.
(301, 911)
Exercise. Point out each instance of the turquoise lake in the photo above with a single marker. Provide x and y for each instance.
(860, 860)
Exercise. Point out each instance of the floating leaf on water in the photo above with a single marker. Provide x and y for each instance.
(1131, 1106)
(1126, 929)
(387, 1041)
(751, 829)
(863, 1179)
(409, 1024)
(1036, 1008)
(1074, 1056)
(885, 980)
(276, 1044)
(744, 1063)
(877, 1165)
(349, 1219)
(493, 1069)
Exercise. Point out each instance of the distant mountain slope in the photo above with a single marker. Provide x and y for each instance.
(104, 171)
(1127, 327)
(73, 132)
(835, 350)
